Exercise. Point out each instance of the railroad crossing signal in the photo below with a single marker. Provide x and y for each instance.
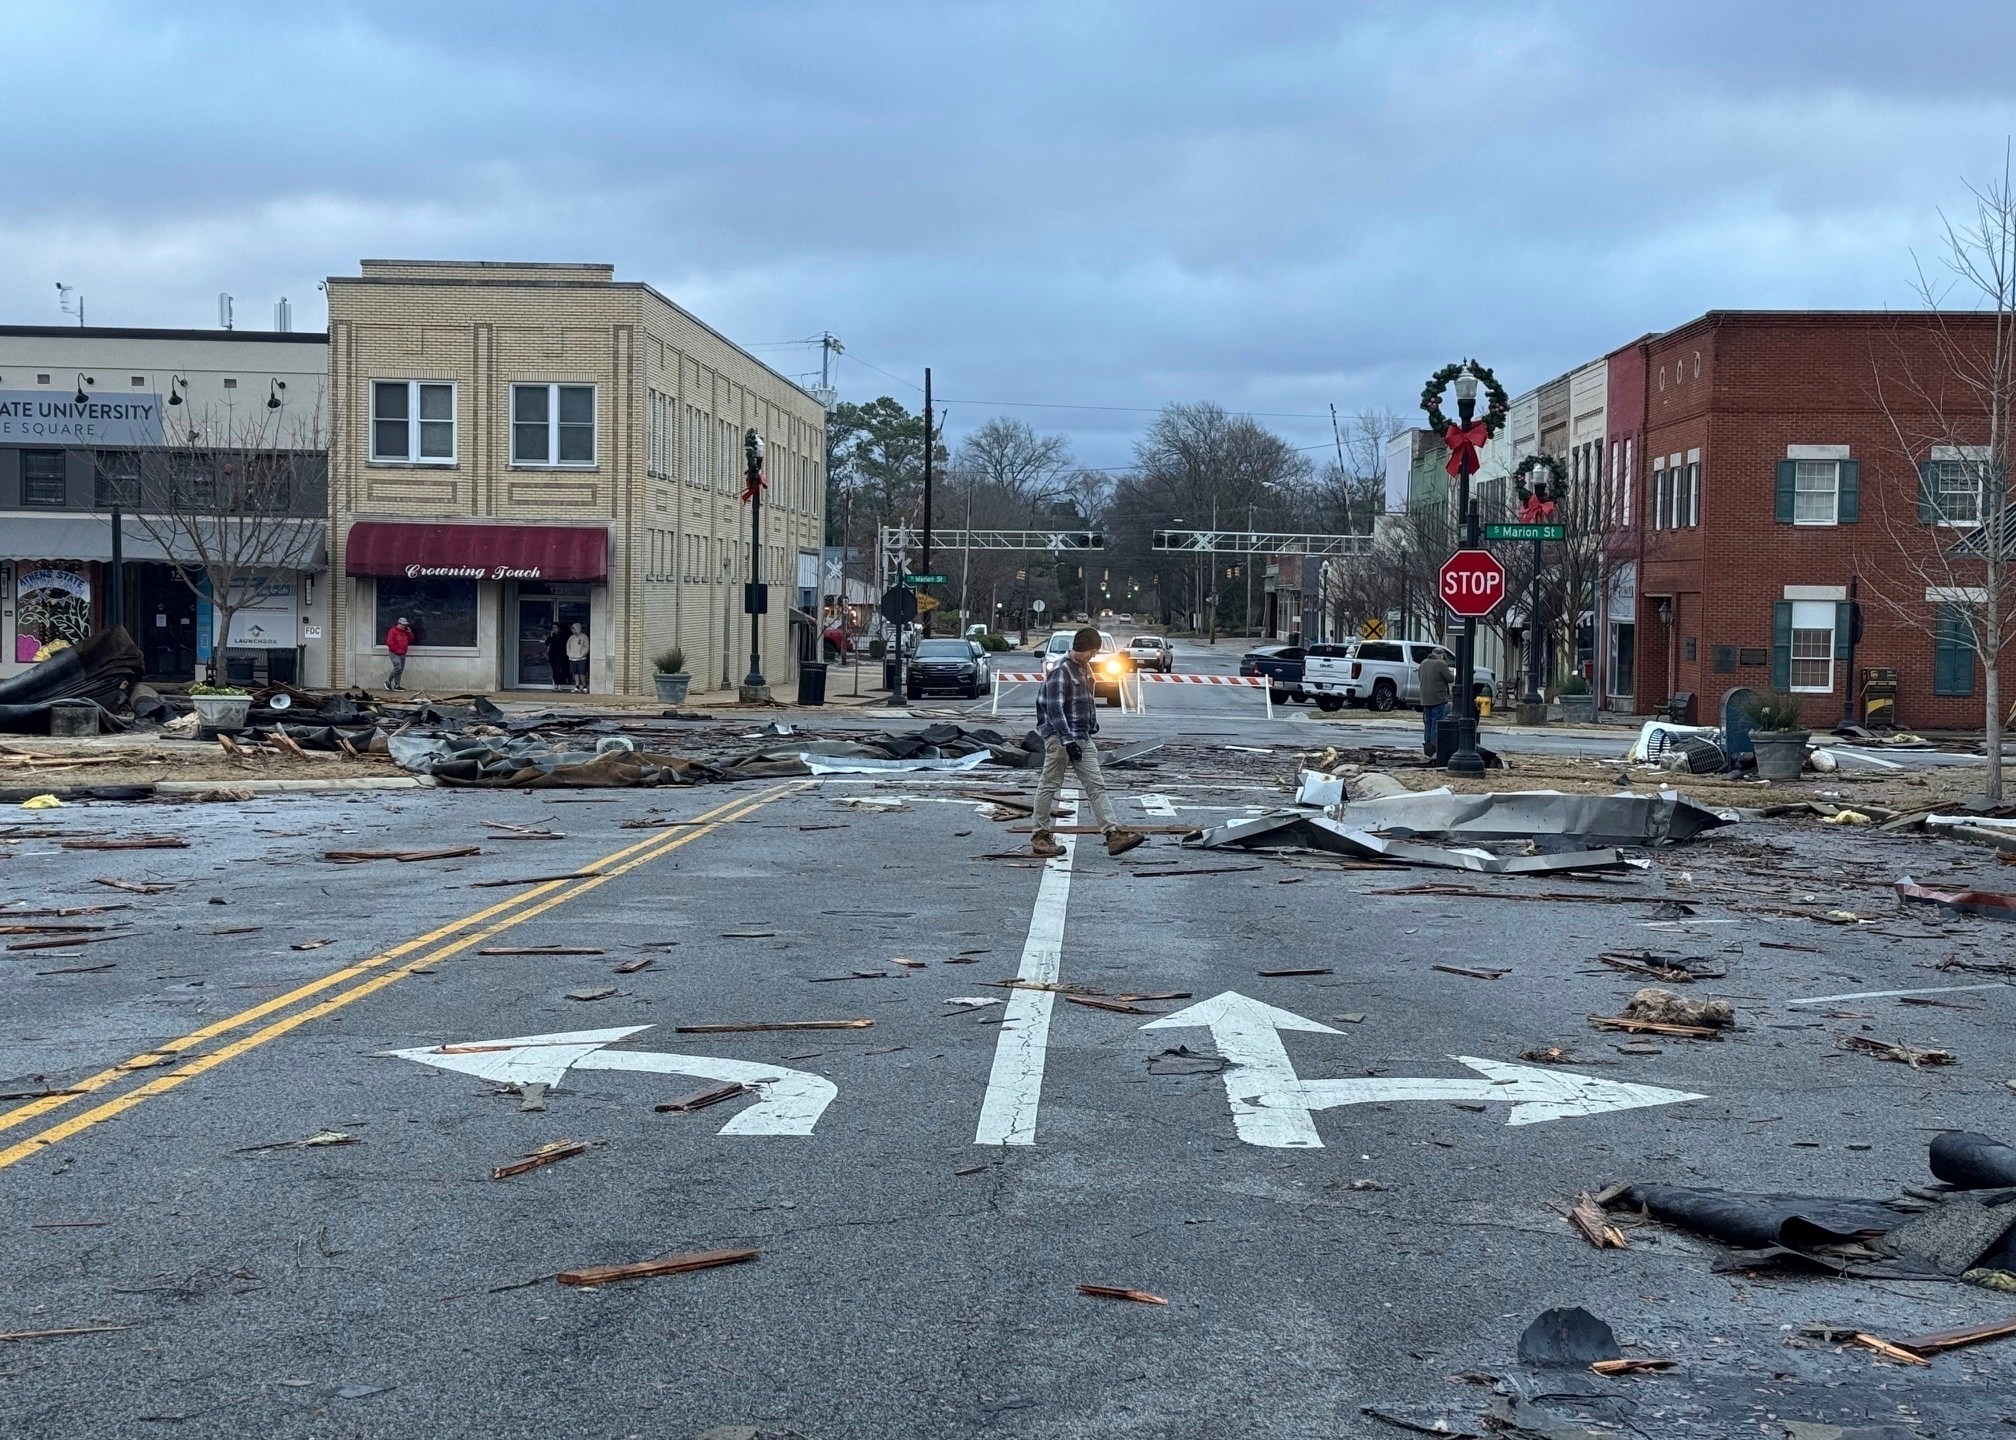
(1373, 629)
(1472, 583)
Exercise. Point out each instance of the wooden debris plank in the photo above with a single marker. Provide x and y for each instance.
(1654, 1027)
(644, 1269)
(544, 1155)
(701, 1099)
(1937, 1340)
(739, 1027)
(60, 941)
(1118, 1292)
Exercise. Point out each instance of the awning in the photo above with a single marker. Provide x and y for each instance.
(427, 549)
(283, 544)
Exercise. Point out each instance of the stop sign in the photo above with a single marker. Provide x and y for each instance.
(1473, 582)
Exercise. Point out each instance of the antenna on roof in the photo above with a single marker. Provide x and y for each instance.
(223, 310)
(283, 315)
(71, 302)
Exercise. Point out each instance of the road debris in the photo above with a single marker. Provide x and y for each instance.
(1651, 1027)
(645, 1269)
(1182, 1060)
(535, 879)
(310, 944)
(592, 992)
(541, 950)
(969, 1002)
(631, 967)
(1631, 1365)
(1567, 1337)
(1546, 1055)
(315, 1141)
(1992, 904)
(137, 887)
(1902, 1054)
(701, 1099)
(740, 1027)
(1115, 1292)
(1303, 970)
(1938, 1340)
(548, 1154)
(130, 842)
(1667, 1008)
(1096, 1003)
(1972, 1161)
(1470, 974)
(59, 942)
(67, 1330)
(358, 857)
(1886, 1349)
(1661, 967)
(1588, 1217)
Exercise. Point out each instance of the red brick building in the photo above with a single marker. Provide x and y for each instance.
(1784, 462)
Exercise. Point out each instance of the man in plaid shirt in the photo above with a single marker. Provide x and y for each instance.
(1067, 717)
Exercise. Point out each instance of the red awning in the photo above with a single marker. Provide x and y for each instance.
(420, 550)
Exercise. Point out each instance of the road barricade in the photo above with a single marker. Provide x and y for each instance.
(1010, 677)
(1246, 682)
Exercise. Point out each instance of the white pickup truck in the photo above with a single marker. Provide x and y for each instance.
(1381, 674)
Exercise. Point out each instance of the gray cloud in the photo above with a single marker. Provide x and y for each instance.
(1278, 207)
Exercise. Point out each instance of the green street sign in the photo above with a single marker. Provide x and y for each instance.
(923, 579)
(1525, 532)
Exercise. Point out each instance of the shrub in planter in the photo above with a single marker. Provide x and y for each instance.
(221, 707)
(1575, 685)
(1778, 735)
(671, 678)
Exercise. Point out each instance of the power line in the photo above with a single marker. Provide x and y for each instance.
(1135, 409)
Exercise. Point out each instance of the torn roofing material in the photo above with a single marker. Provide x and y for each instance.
(1667, 818)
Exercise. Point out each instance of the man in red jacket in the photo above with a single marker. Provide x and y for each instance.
(398, 640)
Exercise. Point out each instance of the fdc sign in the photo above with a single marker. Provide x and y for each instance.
(1473, 582)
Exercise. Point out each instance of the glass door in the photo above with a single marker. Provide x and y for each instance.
(535, 620)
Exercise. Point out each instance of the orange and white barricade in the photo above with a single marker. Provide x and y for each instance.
(1246, 682)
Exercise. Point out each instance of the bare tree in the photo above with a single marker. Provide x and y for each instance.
(235, 503)
(1003, 475)
(1948, 393)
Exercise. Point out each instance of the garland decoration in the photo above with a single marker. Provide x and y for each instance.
(1465, 441)
(1537, 502)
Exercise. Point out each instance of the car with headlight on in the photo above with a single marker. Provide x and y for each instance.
(1110, 665)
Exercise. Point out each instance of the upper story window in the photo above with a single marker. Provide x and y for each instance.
(413, 422)
(1816, 492)
(1818, 489)
(43, 478)
(553, 425)
(116, 478)
(1950, 485)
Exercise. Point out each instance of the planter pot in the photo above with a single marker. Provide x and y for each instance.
(1577, 709)
(222, 712)
(1781, 754)
(671, 688)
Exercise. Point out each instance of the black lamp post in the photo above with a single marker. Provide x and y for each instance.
(1466, 760)
(756, 596)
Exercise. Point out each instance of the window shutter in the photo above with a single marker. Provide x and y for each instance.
(1844, 627)
(1788, 475)
(1850, 504)
(1928, 508)
(1781, 645)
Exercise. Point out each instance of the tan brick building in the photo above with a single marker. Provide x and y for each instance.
(514, 445)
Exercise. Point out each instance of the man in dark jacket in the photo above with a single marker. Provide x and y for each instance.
(1067, 717)
(1437, 676)
(556, 655)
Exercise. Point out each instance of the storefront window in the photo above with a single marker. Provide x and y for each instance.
(441, 611)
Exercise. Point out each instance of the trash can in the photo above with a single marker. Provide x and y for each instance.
(811, 682)
(889, 674)
(1879, 697)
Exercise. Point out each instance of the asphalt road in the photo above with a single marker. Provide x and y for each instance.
(927, 1192)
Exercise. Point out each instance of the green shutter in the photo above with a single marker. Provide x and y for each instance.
(1788, 479)
(1781, 646)
(1851, 492)
(1844, 627)
(1928, 506)
(1952, 653)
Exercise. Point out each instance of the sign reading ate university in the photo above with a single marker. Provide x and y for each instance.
(28, 416)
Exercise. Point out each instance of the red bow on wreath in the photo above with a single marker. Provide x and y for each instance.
(1464, 443)
(1537, 508)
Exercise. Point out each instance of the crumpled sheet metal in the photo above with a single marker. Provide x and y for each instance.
(829, 765)
(102, 668)
(1666, 818)
(1990, 904)
(1657, 737)
(527, 763)
(1318, 832)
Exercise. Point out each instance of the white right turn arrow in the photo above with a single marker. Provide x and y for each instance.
(1271, 1105)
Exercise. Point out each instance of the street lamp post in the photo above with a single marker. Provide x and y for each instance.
(1465, 436)
(756, 599)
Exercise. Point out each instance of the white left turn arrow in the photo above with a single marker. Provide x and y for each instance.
(791, 1104)
(1272, 1106)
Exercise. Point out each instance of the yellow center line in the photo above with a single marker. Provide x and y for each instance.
(532, 902)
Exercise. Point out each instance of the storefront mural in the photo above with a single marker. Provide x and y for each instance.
(52, 609)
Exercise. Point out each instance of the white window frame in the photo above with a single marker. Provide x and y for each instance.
(1833, 516)
(1804, 614)
(553, 460)
(413, 422)
(1962, 455)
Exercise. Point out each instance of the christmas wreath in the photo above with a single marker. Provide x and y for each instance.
(1537, 501)
(1465, 441)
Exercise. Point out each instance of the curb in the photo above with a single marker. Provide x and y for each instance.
(288, 787)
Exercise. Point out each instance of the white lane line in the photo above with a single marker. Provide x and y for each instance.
(1882, 994)
(1159, 805)
(1015, 1088)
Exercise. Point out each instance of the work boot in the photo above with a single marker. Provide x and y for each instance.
(1044, 845)
(1119, 842)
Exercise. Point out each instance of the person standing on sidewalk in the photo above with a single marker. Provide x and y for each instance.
(577, 657)
(1067, 717)
(556, 655)
(398, 640)
(1437, 676)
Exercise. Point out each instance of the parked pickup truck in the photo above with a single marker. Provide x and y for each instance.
(1381, 674)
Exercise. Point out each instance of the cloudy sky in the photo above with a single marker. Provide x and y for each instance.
(1277, 206)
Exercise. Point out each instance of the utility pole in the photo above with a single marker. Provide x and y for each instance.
(927, 486)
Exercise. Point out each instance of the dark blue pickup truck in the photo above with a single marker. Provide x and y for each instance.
(1282, 665)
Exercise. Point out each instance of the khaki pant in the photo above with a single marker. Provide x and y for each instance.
(1091, 779)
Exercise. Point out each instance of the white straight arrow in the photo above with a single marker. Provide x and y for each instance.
(791, 1104)
(1271, 1105)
